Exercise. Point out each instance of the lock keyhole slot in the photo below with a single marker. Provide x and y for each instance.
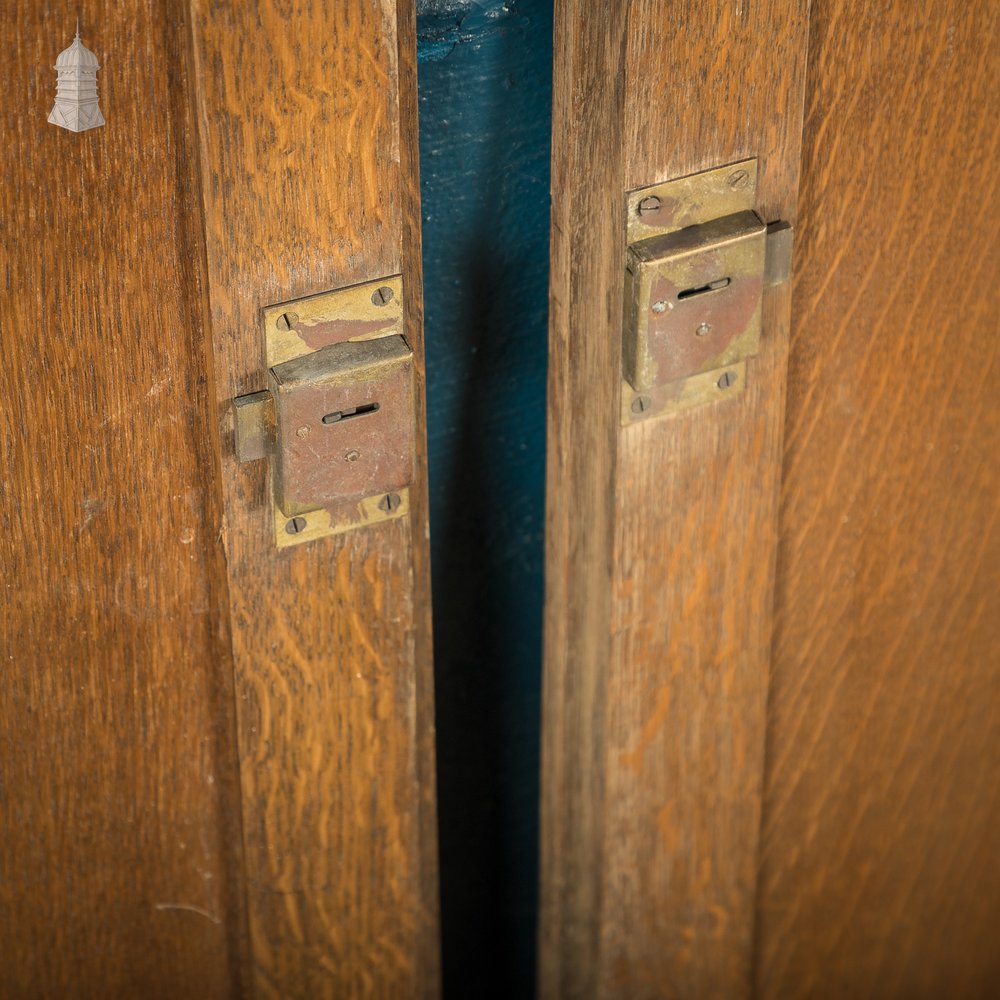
(338, 416)
(712, 286)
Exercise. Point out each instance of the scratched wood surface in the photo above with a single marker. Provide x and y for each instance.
(119, 827)
(880, 852)
(662, 536)
(308, 116)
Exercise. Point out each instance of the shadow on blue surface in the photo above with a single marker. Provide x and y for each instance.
(485, 106)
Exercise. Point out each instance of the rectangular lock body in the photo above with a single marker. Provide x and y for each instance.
(693, 300)
(344, 424)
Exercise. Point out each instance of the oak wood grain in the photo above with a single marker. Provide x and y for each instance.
(880, 863)
(587, 250)
(119, 817)
(308, 117)
(661, 536)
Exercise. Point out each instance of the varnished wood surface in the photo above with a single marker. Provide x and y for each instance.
(119, 827)
(308, 117)
(587, 251)
(881, 857)
(662, 536)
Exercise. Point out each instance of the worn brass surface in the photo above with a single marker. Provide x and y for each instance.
(253, 417)
(683, 394)
(780, 241)
(302, 326)
(677, 323)
(345, 517)
(344, 428)
(697, 263)
(690, 200)
(338, 417)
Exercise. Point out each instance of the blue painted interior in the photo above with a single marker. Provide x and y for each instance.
(485, 90)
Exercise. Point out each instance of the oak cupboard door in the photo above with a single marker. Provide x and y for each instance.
(880, 868)
(661, 535)
(218, 773)
(770, 706)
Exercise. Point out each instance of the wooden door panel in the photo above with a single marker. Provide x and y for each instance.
(660, 536)
(880, 870)
(119, 828)
(310, 183)
(879, 874)
(251, 153)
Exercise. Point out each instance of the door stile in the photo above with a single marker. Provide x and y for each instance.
(662, 534)
(307, 120)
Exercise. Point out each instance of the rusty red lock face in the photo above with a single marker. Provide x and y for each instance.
(344, 424)
(693, 300)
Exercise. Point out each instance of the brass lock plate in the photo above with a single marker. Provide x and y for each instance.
(694, 277)
(343, 424)
(360, 312)
(693, 300)
(337, 420)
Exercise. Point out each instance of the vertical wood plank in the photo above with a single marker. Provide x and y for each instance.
(659, 592)
(308, 114)
(587, 248)
(880, 869)
(119, 816)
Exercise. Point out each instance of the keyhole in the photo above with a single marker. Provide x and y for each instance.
(712, 286)
(352, 411)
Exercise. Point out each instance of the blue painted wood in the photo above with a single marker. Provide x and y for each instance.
(485, 104)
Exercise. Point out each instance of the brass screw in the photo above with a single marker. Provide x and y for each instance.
(382, 296)
(704, 329)
(727, 381)
(390, 502)
(288, 321)
(739, 179)
(640, 404)
(649, 205)
(295, 525)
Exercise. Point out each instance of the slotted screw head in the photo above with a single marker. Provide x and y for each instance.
(739, 179)
(382, 296)
(649, 205)
(640, 404)
(390, 502)
(727, 381)
(295, 525)
(288, 321)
